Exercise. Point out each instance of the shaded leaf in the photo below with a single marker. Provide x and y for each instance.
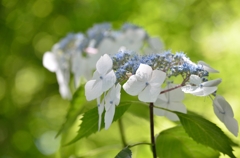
(140, 110)
(89, 123)
(124, 153)
(206, 133)
(77, 106)
(177, 140)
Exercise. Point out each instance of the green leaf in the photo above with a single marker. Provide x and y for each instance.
(175, 142)
(124, 153)
(77, 106)
(206, 133)
(139, 109)
(89, 123)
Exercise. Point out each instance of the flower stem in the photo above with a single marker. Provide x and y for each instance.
(133, 145)
(152, 131)
(121, 128)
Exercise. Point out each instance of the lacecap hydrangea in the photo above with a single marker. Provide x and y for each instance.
(143, 76)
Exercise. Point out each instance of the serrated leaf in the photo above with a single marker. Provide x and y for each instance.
(124, 153)
(77, 107)
(206, 133)
(89, 123)
(175, 142)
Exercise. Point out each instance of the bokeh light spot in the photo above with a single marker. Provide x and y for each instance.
(27, 81)
(61, 25)
(22, 140)
(9, 4)
(47, 144)
(42, 8)
(42, 42)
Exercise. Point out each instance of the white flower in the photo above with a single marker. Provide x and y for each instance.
(201, 89)
(112, 99)
(207, 67)
(145, 83)
(154, 46)
(57, 62)
(170, 100)
(225, 114)
(103, 78)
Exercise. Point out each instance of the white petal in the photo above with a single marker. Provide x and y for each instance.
(93, 89)
(155, 43)
(158, 76)
(204, 91)
(108, 81)
(175, 106)
(174, 95)
(104, 64)
(76, 67)
(108, 46)
(218, 110)
(162, 98)
(144, 73)
(194, 79)
(207, 67)
(50, 61)
(224, 104)
(189, 88)
(157, 111)
(133, 86)
(63, 80)
(212, 83)
(108, 118)
(149, 94)
(65, 91)
(110, 98)
(100, 111)
(231, 124)
(118, 94)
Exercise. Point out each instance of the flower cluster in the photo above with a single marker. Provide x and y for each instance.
(73, 53)
(144, 75)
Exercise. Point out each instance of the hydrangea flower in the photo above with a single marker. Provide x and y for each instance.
(225, 114)
(103, 78)
(207, 67)
(112, 99)
(198, 88)
(145, 83)
(52, 62)
(170, 100)
(72, 53)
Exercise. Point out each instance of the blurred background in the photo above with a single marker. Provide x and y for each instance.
(31, 109)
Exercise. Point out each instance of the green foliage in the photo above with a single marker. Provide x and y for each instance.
(89, 123)
(206, 133)
(175, 142)
(124, 153)
(76, 108)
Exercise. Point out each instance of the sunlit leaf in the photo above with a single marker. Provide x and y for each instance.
(175, 142)
(206, 133)
(124, 153)
(77, 106)
(89, 123)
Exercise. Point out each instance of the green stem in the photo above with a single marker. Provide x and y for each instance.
(152, 130)
(121, 128)
(133, 145)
